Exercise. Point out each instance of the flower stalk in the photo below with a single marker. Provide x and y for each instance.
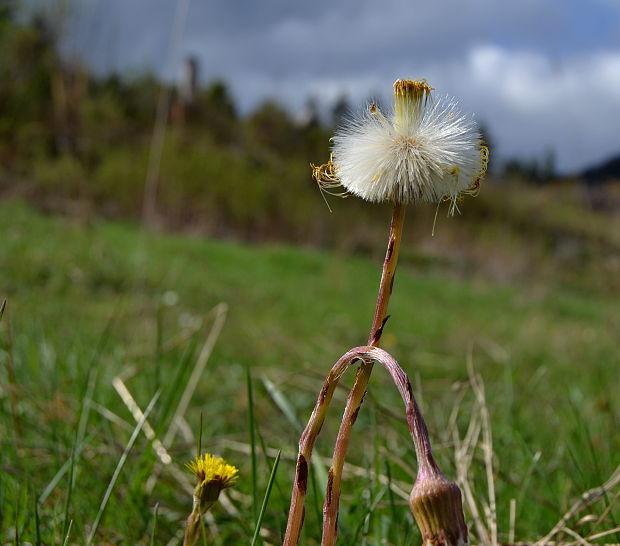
(214, 475)
(310, 433)
(306, 445)
(435, 501)
(356, 395)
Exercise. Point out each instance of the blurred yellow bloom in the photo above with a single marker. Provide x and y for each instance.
(213, 471)
(214, 474)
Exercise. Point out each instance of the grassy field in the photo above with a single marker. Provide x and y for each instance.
(97, 305)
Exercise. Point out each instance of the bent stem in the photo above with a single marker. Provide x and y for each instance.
(414, 418)
(306, 443)
(356, 395)
(310, 433)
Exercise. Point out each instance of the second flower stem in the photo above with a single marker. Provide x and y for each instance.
(356, 395)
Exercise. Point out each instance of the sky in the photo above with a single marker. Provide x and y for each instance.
(542, 75)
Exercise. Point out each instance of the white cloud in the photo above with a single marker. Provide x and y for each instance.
(534, 103)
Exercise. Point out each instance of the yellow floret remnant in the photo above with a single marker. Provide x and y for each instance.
(210, 469)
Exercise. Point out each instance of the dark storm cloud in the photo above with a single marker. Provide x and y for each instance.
(518, 64)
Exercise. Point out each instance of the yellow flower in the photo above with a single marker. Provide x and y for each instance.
(212, 470)
(214, 474)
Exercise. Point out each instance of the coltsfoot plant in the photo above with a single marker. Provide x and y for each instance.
(213, 475)
(427, 150)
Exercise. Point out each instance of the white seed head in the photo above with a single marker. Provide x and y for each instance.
(425, 150)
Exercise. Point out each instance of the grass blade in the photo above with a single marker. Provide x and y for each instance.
(368, 512)
(63, 469)
(17, 506)
(91, 377)
(119, 467)
(272, 478)
(65, 542)
(284, 497)
(159, 345)
(155, 510)
(392, 501)
(252, 430)
(66, 526)
(2, 308)
(10, 370)
(37, 522)
(199, 439)
(282, 402)
(220, 311)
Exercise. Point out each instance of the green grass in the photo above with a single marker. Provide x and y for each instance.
(89, 302)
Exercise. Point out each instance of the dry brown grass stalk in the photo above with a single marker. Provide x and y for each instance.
(482, 509)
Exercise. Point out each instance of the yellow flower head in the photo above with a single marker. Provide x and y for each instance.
(212, 470)
(214, 474)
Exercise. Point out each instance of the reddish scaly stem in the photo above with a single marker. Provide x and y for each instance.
(356, 395)
(306, 443)
(416, 423)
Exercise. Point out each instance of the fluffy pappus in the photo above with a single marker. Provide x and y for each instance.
(426, 149)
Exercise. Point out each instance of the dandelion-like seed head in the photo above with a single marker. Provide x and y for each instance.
(426, 149)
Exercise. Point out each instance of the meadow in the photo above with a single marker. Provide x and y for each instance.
(126, 345)
(100, 313)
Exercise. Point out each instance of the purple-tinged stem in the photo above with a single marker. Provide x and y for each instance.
(356, 395)
(417, 428)
(306, 443)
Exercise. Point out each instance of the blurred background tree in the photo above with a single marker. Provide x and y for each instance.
(71, 140)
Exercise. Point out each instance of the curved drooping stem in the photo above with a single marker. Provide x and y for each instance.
(417, 428)
(356, 395)
(306, 444)
(415, 421)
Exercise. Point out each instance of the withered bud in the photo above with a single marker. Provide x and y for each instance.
(437, 507)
